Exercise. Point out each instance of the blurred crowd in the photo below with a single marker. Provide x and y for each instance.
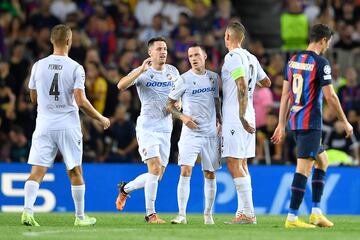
(109, 40)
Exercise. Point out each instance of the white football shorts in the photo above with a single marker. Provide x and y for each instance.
(154, 144)
(190, 147)
(46, 143)
(237, 142)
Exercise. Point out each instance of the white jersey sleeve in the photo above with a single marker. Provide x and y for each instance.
(32, 83)
(79, 76)
(178, 90)
(235, 65)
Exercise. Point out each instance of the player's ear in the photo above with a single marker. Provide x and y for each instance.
(205, 56)
(149, 52)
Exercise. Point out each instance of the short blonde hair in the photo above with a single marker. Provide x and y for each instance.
(237, 30)
(60, 34)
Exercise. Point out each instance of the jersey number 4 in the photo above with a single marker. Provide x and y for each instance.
(54, 89)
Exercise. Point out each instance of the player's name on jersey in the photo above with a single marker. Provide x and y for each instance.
(55, 67)
(301, 66)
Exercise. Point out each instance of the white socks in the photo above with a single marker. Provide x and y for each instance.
(316, 211)
(150, 188)
(291, 217)
(78, 195)
(183, 193)
(209, 192)
(31, 189)
(244, 193)
(137, 183)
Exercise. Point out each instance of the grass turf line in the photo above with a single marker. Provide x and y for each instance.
(132, 226)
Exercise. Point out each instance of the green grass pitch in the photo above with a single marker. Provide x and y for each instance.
(125, 226)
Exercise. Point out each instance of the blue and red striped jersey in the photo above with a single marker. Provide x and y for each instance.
(307, 73)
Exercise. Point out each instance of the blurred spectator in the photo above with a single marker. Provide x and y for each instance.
(264, 146)
(96, 86)
(156, 29)
(5, 19)
(126, 101)
(182, 43)
(146, 10)
(112, 92)
(276, 89)
(6, 76)
(40, 44)
(26, 111)
(126, 23)
(276, 66)
(356, 34)
(43, 17)
(78, 49)
(202, 18)
(61, 8)
(19, 145)
(222, 17)
(349, 95)
(256, 47)
(338, 141)
(171, 12)
(92, 140)
(122, 132)
(294, 26)
(19, 66)
(337, 80)
(263, 103)
(346, 12)
(346, 41)
(7, 106)
(213, 60)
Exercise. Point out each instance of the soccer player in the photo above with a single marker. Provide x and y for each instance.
(240, 74)
(57, 86)
(153, 79)
(198, 90)
(307, 78)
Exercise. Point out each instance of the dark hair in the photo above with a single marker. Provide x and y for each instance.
(197, 45)
(155, 39)
(320, 31)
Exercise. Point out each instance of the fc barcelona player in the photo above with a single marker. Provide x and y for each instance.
(307, 79)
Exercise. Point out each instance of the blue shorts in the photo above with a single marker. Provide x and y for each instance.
(308, 143)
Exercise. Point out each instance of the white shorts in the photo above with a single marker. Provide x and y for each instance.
(190, 147)
(237, 142)
(46, 143)
(154, 144)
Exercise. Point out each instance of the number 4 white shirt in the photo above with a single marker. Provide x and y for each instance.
(54, 78)
(239, 58)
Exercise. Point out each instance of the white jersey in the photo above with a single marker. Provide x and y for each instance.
(153, 88)
(54, 78)
(239, 58)
(197, 93)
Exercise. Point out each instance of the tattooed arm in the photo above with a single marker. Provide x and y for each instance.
(171, 108)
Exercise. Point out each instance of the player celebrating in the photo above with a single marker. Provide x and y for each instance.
(240, 74)
(307, 78)
(198, 89)
(57, 86)
(154, 80)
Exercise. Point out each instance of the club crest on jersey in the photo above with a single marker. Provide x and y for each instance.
(212, 80)
(194, 83)
(152, 76)
(232, 131)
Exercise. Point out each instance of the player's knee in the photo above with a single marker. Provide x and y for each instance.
(155, 169)
(209, 175)
(186, 171)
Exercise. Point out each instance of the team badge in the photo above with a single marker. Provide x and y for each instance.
(327, 70)
(232, 131)
(194, 83)
(152, 76)
(212, 80)
(169, 76)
